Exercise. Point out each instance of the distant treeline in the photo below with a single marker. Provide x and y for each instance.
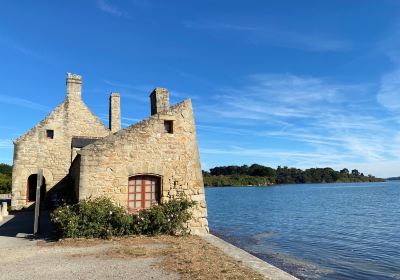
(393, 178)
(259, 175)
(5, 178)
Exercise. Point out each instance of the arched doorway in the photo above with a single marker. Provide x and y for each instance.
(143, 191)
(31, 188)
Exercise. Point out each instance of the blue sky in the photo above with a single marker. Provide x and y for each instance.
(276, 82)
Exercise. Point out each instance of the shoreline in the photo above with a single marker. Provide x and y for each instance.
(295, 184)
(264, 268)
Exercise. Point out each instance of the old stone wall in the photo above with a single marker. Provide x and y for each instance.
(145, 148)
(115, 112)
(35, 150)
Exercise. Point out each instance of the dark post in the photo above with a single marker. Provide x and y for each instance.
(37, 204)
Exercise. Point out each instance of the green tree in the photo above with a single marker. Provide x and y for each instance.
(345, 171)
(5, 183)
(5, 169)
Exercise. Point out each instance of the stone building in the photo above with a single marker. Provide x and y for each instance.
(149, 162)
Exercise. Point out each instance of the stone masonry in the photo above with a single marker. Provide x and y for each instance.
(115, 112)
(103, 165)
(35, 150)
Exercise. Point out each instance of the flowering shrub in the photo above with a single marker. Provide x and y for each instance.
(101, 218)
(168, 218)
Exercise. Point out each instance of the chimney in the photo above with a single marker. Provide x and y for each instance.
(74, 86)
(159, 100)
(115, 112)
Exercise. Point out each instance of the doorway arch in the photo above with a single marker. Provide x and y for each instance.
(31, 188)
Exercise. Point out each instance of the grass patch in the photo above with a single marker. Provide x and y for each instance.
(190, 256)
(128, 252)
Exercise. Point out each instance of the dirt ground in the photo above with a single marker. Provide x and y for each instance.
(161, 257)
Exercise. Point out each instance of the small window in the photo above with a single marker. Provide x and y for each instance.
(143, 192)
(50, 133)
(168, 127)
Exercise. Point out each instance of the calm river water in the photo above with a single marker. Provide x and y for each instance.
(319, 231)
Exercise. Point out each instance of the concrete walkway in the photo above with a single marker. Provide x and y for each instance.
(267, 270)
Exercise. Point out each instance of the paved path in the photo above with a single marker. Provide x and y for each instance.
(22, 258)
(17, 229)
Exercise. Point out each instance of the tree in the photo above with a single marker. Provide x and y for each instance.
(260, 170)
(257, 174)
(5, 183)
(5, 169)
(345, 171)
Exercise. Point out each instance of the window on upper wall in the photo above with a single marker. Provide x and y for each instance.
(168, 126)
(50, 133)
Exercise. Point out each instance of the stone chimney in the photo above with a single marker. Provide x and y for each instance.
(159, 100)
(115, 112)
(74, 86)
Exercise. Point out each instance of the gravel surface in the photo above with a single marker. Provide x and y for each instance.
(22, 258)
(53, 262)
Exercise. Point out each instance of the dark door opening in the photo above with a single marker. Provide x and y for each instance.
(31, 188)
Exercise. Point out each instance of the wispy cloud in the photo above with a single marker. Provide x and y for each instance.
(22, 102)
(183, 95)
(319, 158)
(321, 122)
(285, 96)
(218, 26)
(111, 9)
(6, 144)
(310, 42)
(261, 35)
(18, 47)
(272, 155)
(128, 121)
(138, 93)
(389, 93)
(125, 121)
(22, 49)
(141, 92)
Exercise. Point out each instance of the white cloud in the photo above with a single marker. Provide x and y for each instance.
(20, 48)
(389, 93)
(6, 144)
(22, 102)
(217, 26)
(273, 36)
(141, 92)
(321, 123)
(108, 8)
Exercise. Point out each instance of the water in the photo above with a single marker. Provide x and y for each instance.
(320, 231)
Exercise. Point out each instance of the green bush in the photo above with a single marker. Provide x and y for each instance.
(101, 218)
(168, 218)
(5, 183)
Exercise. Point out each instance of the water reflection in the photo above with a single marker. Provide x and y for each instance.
(340, 231)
